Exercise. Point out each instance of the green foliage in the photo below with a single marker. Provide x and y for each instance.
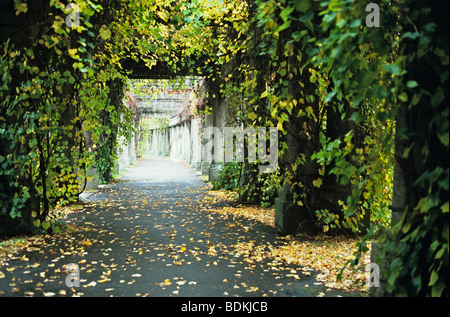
(270, 186)
(318, 59)
(332, 86)
(377, 72)
(229, 176)
(105, 163)
(53, 96)
(263, 191)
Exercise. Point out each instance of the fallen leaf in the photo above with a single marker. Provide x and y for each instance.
(167, 282)
(91, 284)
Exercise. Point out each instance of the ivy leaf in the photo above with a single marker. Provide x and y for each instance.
(45, 225)
(284, 26)
(393, 69)
(307, 16)
(437, 99)
(73, 53)
(105, 33)
(22, 7)
(412, 84)
(433, 278)
(317, 182)
(302, 5)
(285, 13)
(403, 97)
(444, 207)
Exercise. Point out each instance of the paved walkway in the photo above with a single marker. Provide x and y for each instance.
(150, 235)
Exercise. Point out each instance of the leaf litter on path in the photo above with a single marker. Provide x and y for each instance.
(323, 254)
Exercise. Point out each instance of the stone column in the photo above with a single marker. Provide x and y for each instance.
(132, 148)
(219, 120)
(196, 145)
(123, 161)
(205, 162)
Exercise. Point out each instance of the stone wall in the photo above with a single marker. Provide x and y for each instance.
(127, 153)
(183, 140)
(160, 142)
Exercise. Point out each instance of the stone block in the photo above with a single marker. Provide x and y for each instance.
(205, 168)
(214, 172)
(287, 217)
(93, 183)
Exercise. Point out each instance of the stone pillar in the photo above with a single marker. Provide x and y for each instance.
(123, 161)
(186, 141)
(287, 215)
(196, 145)
(132, 148)
(219, 120)
(205, 162)
(93, 183)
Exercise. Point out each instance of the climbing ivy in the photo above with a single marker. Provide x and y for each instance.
(362, 112)
(320, 64)
(376, 70)
(54, 94)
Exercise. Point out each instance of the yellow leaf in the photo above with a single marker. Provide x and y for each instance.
(252, 116)
(72, 51)
(444, 207)
(57, 23)
(280, 126)
(22, 7)
(105, 33)
(317, 183)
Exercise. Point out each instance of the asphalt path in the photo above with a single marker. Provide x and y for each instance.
(151, 234)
